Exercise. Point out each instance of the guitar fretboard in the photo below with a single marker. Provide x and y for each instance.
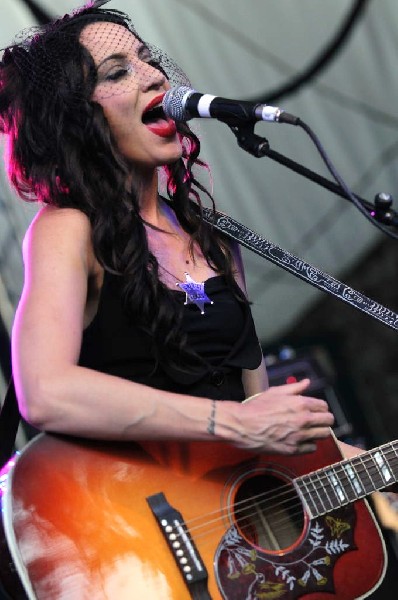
(344, 482)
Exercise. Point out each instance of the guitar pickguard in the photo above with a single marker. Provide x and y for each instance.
(246, 572)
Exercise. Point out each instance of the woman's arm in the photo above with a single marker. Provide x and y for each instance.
(55, 394)
(255, 380)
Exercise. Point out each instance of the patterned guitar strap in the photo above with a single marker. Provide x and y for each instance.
(298, 267)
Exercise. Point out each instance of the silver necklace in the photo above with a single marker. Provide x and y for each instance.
(194, 291)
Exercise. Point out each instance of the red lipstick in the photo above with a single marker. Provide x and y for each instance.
(161, 125)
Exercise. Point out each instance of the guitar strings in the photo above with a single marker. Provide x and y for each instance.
(322, 478)
(279, 525)
(288, 492)
(263, 496)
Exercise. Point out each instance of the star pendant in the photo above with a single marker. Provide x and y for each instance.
(195, 293)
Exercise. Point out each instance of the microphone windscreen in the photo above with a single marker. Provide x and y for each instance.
(174, 103)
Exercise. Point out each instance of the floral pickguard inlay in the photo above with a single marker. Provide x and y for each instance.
(246, 572)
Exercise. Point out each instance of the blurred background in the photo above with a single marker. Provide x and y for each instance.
(333, 64)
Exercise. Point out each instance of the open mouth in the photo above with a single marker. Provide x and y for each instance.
(156, 121)
(154, 115)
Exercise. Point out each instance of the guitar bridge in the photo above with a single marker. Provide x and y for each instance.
(181, 545)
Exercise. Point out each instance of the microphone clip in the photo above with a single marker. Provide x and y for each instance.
(249, 141)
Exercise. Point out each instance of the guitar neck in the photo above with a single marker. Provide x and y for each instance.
(344, 482)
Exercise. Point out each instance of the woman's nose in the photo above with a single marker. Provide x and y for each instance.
(152, 78)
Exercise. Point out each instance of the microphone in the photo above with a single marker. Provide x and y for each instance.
(183, 103)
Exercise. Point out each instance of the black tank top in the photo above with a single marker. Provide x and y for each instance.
(223, 340)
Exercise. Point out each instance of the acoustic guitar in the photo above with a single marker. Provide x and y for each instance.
(174, 521)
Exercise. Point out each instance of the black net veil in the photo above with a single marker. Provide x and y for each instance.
(115, 57)
(55, 80)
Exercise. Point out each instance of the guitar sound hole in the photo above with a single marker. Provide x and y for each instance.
(268, 512)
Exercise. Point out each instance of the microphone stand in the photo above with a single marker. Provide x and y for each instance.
(259, 147)
(381, 211)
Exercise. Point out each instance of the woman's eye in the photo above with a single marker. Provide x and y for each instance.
(117, 74)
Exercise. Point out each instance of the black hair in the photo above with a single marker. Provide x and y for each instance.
(61, 152)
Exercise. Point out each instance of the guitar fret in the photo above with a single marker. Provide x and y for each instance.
(338, 486)
(394, 461)
(326, 484)
(394, 449)
(376, 464)
(314, 488)
(312, 506)
(366, 477)
(383, 465)
(355, 481)
(349, 480)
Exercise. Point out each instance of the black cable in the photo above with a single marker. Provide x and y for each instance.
(40, 15)
(362, 206)
(308, 73)
(321, 61)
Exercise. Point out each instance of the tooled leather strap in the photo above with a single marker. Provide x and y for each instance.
(298, 267)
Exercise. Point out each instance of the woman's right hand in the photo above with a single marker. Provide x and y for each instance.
(280, 420)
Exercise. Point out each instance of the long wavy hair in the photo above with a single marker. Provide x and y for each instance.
(61, 151)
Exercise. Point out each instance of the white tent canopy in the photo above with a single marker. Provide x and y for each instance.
(241, 50)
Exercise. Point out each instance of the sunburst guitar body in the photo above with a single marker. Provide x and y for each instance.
(174, 521)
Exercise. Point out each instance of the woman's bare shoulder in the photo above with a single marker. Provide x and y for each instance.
(59, 231)
(52, 220)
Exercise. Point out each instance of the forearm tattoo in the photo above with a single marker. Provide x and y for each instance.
(212, 419)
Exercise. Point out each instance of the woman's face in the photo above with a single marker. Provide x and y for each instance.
(129, 88)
